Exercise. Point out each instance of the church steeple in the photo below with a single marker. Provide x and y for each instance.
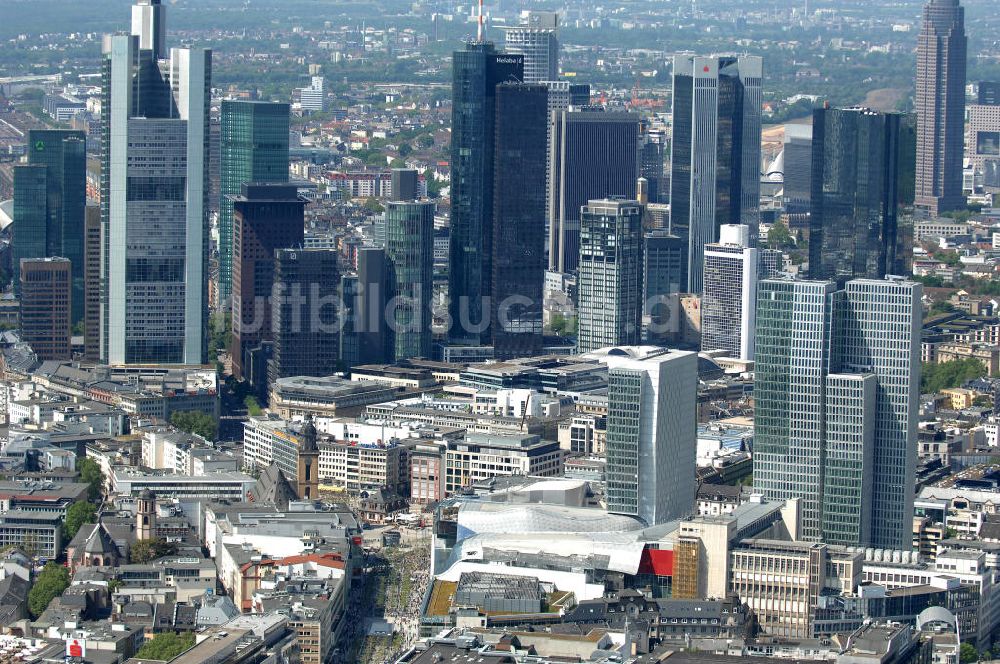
(307, 483)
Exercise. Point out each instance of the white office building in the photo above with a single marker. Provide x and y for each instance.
(537, 39)
(729, 301)
(313, 98)
(652, 431)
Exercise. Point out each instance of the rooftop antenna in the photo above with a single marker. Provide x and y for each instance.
(479, 27)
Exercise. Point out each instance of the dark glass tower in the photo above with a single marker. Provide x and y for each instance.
(304, 313)
(409, 253)
(476, 72)
(50, 201)
(519, 220)
(715, 156)
(595, 155)
(254, 148)
(265, 217)
(940, 106)
(857, 158)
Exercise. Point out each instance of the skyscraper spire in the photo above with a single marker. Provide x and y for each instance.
(479, 27)
(149, 24)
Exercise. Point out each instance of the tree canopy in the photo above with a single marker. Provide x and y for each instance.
(143, 551)
(937, 377)
(49, 584)
(77, 514)
(164, 647)
(91, 474)
(196, 422)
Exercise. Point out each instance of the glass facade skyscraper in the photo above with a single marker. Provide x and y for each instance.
(519, 220)
(652, 432)
(154, 192)
(50, 201)
(715, 154)
(836, 390)
(595, 154)
(265, 217)
(477, 71)
(253, 148)
(940, 105)
(409, 261)
(859, 159)
(610, 277)
(304, 314)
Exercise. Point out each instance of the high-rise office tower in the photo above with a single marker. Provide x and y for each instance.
(46, 294)
(409, 259)
(729, 301)
(651, 438)
(858, 160)
(477, 71)
(715, 154)
(266, 216)
(594, 155)
(154, 190)
(651, 167)
(304, 314)
(405, 184)
(92, 284)
(537, 39)
(562, 95)
(664, 256)
(940, 106)
(796, 155)
(50, 199)
(609, 283)
(792, 360)
(254, 148)
(877, 311)
(366, 338)
(836, 405)
(519, 220)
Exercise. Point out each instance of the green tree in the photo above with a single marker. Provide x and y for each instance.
(931, 280)
(144, 551)
(196, 422)
(948, 257)
(164, 647)
(405, 150)
(91, 474)
(253, 408)
(373, 205)
(221, 333)
(983, 401)
(778, 236)
(77, 514)
(49, 584)
(937, 377)
(942, 307)
(425, 141)
(968, 654)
